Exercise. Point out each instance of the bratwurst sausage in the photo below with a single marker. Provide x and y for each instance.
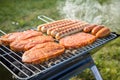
(103, 32)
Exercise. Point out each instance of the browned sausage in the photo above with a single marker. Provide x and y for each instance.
(60, 26)
(96, 29)
(55, 31)
(103, 32)
(70, 31)
(89, 28)
(44, 27)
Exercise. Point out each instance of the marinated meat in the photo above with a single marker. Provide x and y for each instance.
(8, 38)
(28, 34)
(27, 44)
(42, 52)
(77, 40)
(38, 40)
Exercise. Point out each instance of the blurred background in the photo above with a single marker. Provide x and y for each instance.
(23, 14)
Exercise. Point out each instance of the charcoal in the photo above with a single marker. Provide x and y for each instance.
(36, 71)
(27, 71)
(29, 66)
(11, 66)
(21, 74)
(15, 70)
(17, 64)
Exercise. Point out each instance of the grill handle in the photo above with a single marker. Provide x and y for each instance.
(45, 19)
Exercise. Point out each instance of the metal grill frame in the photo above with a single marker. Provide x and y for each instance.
(70, 59)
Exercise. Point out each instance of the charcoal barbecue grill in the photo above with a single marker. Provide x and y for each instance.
(69, 64)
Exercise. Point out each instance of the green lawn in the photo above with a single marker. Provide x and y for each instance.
(25, 13)
(22, 14)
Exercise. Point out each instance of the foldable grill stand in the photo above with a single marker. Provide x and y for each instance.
(79, 67)
(76, 66)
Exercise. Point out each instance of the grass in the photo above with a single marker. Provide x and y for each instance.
(22, 14)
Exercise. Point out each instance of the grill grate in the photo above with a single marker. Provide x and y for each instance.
(12, 61)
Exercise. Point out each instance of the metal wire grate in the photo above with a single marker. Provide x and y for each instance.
(12, 61)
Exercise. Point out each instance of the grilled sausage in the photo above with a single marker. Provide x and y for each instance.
(55, 31)
(103, 32)
(96, 29)
(89, 28)
(70, 31)
(58, 27)
(44, 27)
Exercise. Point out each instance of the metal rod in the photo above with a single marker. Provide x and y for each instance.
(2, 32)
(15, 66)
(96, 72)
(18, 61)
(11, 51)
(33, 65)
(42, 66)
(43, 19)
(48, 18)
(18, 56)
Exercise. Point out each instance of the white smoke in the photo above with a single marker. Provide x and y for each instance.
(93, 12)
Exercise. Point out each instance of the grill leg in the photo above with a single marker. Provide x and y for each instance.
(96, 72)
